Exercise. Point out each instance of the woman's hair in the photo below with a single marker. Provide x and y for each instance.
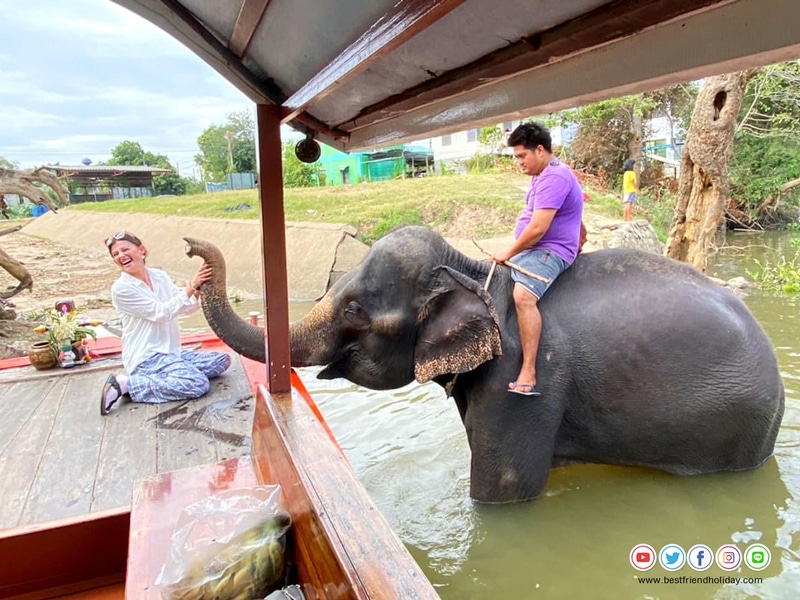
(628, 165)
(122, 236)
(531, 136)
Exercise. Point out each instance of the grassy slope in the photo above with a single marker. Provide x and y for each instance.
(477, 205)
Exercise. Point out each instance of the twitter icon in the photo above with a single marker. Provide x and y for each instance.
(672, 557)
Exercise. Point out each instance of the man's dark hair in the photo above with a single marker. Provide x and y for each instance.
(531, 135)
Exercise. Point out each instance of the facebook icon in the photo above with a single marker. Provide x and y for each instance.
(699, 557)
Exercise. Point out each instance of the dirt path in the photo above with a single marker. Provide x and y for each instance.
(58, 273)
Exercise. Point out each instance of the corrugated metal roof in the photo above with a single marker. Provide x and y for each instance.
(370, 73)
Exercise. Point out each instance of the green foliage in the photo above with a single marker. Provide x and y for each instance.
(794, 242)
(607, 129)
(129, 153)
(228, 148)
(296, 173)
(659, 211)
(7, 164)
(20, 211)
(779, 276)
(760, 166)
(491, 137)
(771, 105)
(394, 220)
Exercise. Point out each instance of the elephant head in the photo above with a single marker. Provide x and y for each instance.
(414, 309)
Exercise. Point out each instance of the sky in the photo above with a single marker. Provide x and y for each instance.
(77, 77)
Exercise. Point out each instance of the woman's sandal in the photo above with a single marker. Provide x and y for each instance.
(111, 393)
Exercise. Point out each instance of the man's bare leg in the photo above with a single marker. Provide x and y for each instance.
(629, 211)
(530, 330)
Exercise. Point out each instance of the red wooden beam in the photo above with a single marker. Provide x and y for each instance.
(246, 24)
(273, 236)
(603, 25)
(407, 19)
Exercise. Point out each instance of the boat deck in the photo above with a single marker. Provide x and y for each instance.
(60, 458)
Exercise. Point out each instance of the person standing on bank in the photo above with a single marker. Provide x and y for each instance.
(149, 304)
(630, 188)
(548, 238)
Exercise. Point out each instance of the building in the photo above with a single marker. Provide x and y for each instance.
(380, 165)
(451, 151)
(96, 183)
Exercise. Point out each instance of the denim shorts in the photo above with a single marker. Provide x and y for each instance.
(630, 198)
(544, 263)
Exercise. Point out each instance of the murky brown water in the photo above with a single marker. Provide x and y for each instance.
(409, 449)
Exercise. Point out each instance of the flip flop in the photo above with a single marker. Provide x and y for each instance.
(111, 393)
(523, 389)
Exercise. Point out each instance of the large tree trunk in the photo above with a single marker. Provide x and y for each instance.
(636, 143)
(24, 184)
(703, 186)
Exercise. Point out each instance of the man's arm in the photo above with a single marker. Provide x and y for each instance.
(540, 223)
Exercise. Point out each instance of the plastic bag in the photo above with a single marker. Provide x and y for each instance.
(227, 547)
(292, 592)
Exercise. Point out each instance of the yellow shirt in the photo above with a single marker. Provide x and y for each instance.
(629, 182)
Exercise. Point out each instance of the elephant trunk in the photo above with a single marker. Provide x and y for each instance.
(241, 336)
(309, 337)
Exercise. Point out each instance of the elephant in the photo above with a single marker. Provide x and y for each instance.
(643, 360)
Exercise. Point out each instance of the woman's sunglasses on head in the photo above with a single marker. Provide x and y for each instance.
(121, 235)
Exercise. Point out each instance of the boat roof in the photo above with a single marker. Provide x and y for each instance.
(363, 74)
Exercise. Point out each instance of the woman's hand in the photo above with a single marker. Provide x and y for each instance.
(204, 274)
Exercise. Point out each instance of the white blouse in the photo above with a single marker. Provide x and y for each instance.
(150, 317)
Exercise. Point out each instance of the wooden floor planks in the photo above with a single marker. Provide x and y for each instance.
(59, 457)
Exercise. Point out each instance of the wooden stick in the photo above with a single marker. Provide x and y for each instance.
(511, 265)
(489, 278)
(508, 263)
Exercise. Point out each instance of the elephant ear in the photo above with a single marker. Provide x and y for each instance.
(457, 327)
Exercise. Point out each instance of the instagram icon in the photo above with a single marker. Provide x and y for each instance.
(728, 557)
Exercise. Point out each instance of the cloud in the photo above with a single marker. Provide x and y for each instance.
(79, 77)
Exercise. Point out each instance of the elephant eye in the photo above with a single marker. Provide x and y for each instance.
(356, 315)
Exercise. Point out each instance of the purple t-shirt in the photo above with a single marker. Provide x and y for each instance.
(556, 187)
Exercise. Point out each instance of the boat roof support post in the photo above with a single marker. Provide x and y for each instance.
(273, 247)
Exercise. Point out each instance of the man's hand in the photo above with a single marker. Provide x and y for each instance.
(502, 257)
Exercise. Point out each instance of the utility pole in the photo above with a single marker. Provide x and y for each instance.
(229, 136)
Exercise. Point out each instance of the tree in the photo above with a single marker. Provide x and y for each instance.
(229, 148)
(29, 184)
(765, 170)
(295, 172)
(703, 185)
(611, 131)
(129, 153)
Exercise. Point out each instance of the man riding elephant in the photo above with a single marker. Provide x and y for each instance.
(548, 238)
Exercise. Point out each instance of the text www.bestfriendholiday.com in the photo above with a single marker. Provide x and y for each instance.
(722, 579)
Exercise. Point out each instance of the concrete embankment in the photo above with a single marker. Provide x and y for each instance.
(317, 252)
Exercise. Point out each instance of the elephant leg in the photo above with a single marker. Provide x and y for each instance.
(512, 439)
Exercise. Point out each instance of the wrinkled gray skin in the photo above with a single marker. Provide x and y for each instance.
(643, 361)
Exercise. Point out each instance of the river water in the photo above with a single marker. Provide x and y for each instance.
(409, 450)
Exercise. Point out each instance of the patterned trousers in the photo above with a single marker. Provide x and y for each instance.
(166, 378)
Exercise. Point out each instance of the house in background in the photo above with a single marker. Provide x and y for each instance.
(380, 165)
(96, 183)
(454, 149)
(664, 145)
